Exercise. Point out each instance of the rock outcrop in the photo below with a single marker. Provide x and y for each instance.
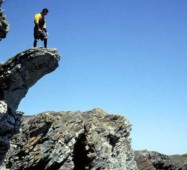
(17, 75)
(181, 159)
(149, 160)
(92, 140)
(4, 26)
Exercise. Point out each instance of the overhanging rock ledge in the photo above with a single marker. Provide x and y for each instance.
(17, 75)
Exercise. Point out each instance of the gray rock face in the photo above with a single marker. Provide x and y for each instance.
(17, 75)
(184, 167)
(149, 160)
(4, 26)
(92, 140)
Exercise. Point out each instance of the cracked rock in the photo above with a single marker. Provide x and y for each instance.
(72, 141)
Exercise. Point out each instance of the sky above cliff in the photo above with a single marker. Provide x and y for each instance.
(127, 57)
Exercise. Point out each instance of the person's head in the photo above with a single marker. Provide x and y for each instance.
(45, 11)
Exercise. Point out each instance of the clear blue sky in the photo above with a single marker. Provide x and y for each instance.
(127, 57)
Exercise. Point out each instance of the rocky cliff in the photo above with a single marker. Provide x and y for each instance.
(91, 140)
(4, 26)
(17, 75)
(54, 141)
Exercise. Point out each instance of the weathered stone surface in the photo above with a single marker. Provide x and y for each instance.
(149, 160)
(4, 26)
(184, 167)
(17, 75)
(91, 140)
(143, 162)
(182, 159)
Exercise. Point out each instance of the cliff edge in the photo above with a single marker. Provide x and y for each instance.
(91, 140)
(17, 75)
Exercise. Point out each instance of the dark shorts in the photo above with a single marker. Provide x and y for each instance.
(39, 35)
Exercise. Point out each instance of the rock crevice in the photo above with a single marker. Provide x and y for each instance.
(72, 141)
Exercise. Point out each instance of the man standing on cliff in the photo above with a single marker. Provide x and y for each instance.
(40, 31)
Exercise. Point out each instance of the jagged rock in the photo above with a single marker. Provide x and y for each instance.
(17, 75)
(4, 26)
(143, 162)
(92, 140)
(149, 160)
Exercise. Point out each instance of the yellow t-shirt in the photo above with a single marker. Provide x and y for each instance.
(38, 19)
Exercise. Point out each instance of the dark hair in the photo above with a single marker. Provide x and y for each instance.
(45, 10)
